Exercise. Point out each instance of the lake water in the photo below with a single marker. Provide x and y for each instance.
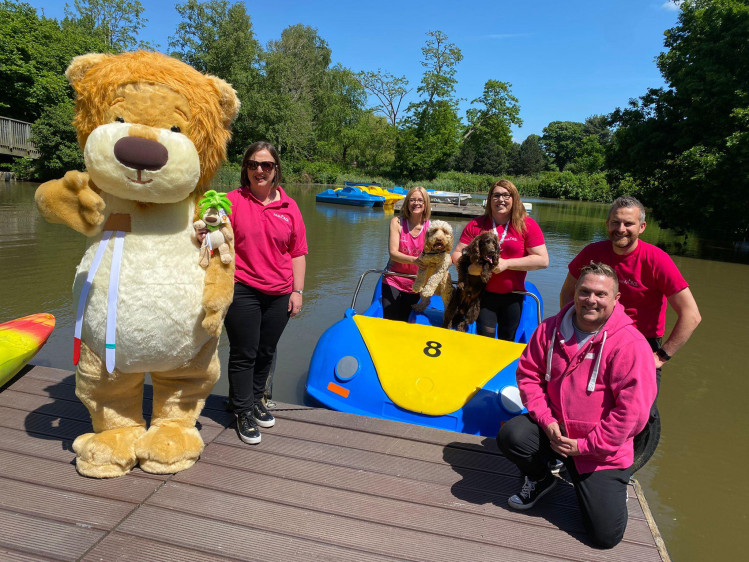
(696, 483)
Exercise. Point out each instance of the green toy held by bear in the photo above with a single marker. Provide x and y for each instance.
(214, 209)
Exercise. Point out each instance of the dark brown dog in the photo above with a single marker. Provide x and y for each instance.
(465, 301)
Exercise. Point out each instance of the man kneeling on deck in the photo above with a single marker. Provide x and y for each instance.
(587, 380)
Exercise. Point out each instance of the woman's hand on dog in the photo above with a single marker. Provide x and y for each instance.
(501, 266)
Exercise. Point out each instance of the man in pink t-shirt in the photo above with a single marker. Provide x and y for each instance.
(649, 281)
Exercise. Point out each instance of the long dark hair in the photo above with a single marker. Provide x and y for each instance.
(244, 180)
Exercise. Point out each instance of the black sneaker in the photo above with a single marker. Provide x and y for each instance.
(262, 416)
(247, 429)
(532, 492)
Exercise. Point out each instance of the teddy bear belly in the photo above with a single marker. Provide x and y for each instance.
(159, 304)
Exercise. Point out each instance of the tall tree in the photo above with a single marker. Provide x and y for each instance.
(688, 144)
(115, 22)
(500, 110)
(562, 141)
(429, 139)
(440, 61)
(341, 102)
(295, 71)
(531, 157)
(217, 37)
(389, 91)
(35, 53)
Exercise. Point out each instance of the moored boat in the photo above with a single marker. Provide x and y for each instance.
(20, 340)
(419, 372)
(350, 195)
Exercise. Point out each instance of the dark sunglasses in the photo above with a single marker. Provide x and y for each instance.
(265, 166)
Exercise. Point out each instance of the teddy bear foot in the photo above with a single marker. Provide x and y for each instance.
(107, 454)
(169, 448)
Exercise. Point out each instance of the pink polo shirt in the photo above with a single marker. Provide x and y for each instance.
(515, 245)
(647, 277)
(266, 239)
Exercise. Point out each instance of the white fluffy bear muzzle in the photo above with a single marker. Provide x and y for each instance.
(163, 168)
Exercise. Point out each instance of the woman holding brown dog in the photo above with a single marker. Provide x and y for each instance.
(405, 245)
(522, 249)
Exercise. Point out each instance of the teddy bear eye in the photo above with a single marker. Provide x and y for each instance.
(119, 119)
(176, 129)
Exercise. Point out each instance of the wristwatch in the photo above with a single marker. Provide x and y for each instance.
(298, 291)
(662, 354)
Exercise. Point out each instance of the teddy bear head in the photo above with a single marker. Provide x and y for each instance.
(152, 128)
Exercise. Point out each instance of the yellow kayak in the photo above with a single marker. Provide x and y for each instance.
(20, 340)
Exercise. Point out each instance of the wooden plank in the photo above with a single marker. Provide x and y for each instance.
(42, 537)
(497, 526)
(120, 547)
(62, 476)
(240, 539)
(62, 505)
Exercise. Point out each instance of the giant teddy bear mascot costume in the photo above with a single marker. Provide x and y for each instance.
(154, 132)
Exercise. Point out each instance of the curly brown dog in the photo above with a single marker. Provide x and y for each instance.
(433, 277)
(465, 303)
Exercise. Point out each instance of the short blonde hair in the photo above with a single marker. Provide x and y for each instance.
(406, 208)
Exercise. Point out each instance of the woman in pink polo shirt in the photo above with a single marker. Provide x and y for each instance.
(405, 245)
(270, 244)
(522, 249)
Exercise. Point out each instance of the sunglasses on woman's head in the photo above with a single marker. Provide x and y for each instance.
(265, 166)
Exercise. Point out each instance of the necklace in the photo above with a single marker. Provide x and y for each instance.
(504, 233)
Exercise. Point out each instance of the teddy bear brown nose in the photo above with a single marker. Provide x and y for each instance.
(140, 153)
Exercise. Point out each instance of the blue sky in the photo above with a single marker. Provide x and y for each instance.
(565, 60)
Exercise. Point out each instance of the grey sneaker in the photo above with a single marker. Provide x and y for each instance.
(532, 492)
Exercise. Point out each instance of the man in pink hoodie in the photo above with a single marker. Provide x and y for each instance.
(587, 380)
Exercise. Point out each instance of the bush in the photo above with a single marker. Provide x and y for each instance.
(23, 168)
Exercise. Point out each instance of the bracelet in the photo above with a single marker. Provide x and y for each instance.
(660, 352)
(298, 291)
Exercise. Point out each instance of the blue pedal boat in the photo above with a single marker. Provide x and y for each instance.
(418, 372)
(350, 195)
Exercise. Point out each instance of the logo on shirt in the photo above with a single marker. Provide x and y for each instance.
(630, 282)
(284, 217)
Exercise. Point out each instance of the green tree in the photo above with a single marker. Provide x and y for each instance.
(55, 137)
(531, 157)
(36, 51)
(590, 157)
(295, 73)
(341, 102)
(488, 136)
(440, 61)
(687, 145)
(115, 22)
(217, 38)
(500, 110)
(429, 139)
(389, 91)
(562, 141)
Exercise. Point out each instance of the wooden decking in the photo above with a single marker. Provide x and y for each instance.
(322, 485)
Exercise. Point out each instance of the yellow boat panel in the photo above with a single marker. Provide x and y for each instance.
(430, 370)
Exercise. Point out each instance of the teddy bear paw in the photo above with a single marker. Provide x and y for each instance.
(168, 448)
(107, 454)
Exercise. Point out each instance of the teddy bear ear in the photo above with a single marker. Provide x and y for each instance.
(228, 99)
(81, 65)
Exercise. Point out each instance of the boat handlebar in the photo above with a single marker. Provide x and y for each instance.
(410, 276)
